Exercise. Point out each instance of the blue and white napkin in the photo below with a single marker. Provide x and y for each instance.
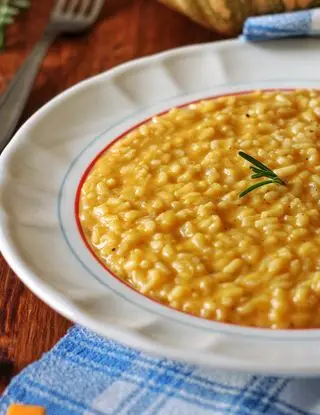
(86, 374)
(274, 26)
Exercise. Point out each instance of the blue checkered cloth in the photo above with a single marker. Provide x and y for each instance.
(86, 374)
(301, 23)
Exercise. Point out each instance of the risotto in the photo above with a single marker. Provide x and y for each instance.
(161, 209)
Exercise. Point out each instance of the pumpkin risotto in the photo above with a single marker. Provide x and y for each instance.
(161, 209)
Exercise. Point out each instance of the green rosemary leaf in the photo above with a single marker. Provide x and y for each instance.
(8, 10)
(22, 4)
(266, 172)
(259, 170)
(279, 181)
(253, 161)
(258, 175)
(255, 169)
(6, 20)
(255, 186)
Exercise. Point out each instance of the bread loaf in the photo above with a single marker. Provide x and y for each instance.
(227, 16)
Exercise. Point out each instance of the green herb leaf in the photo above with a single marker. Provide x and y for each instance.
(257, 175)
(254, 161)
(255, 186)
(259, 170)
(8, 10)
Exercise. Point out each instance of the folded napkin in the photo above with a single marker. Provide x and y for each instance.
(302, 23)
(86, 374)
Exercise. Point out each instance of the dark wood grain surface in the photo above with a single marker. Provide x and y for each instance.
(127, 29)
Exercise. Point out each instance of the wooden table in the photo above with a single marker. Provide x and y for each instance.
(126, 30)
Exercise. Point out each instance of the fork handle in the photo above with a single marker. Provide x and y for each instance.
(13, 101)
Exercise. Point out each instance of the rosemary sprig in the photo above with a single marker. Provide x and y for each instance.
(259, 170)
(8, 10)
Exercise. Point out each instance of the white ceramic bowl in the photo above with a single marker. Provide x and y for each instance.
(40, 173)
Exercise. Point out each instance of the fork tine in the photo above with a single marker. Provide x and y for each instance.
(84, 6)
(96, 9)
(72, 6)
(59, 7)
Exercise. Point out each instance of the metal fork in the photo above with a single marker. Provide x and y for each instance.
(68, 16)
